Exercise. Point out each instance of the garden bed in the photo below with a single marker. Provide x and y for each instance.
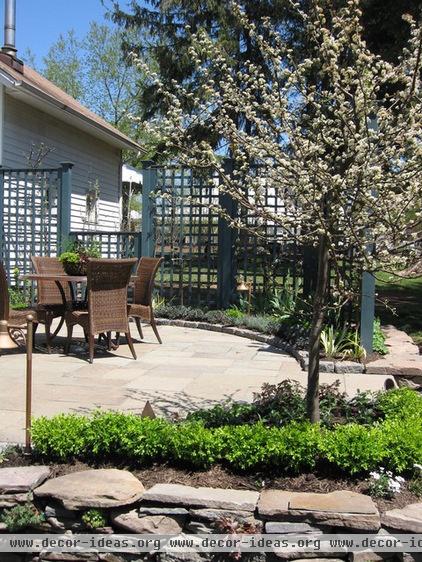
(220, 477)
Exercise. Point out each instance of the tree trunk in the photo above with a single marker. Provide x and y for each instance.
(312, 394)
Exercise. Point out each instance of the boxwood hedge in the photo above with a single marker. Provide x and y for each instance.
(395, 442)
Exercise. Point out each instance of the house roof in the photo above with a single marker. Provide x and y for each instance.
(40, 92)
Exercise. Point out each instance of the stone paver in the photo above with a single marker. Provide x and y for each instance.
(217, 498)
(150, 524)
(337, 509)
(403, 355)
(102, 488)
(22, 479)
(408, 519)
(192, 369)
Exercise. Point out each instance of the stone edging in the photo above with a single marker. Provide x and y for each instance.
(172, 509)
(300, 355)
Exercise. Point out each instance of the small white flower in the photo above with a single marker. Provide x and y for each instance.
(400, 479)
(418, 466)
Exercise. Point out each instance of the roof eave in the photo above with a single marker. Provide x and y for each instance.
(118, 140)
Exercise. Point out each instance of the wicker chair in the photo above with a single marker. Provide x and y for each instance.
(49, 298)
(141, 308)
(107, 287)
(16, 319)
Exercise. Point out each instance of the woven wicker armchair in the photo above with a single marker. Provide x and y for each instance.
(107, 287)
(16, 319)
(141, 307)
(49, 298)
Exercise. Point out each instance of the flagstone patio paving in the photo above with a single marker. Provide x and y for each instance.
(192, 369)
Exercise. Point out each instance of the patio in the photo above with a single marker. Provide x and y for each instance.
(192, 369)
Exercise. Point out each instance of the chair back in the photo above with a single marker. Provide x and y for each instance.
(4, 294)
(47, 291)
(144, 284)
(108, 281)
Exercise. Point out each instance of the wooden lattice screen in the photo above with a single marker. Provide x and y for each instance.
(29, 216)
(193, 240)
(187, 235)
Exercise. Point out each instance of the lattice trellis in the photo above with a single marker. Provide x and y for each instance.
(30, 217)
(187, 235)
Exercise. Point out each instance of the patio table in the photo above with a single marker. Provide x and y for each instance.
(60, 279)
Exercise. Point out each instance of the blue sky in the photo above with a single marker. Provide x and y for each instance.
(40, 22)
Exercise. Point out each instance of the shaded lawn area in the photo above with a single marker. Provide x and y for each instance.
(404, 296)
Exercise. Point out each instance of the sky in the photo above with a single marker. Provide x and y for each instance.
(40, 22)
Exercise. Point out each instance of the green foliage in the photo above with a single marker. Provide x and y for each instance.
(354, 448)
(94, 518)
(394, 442)
(61, 437)
(77, 251)
(193, 444)
(18, 298)
(342, 344)
(255, 447)
(282, 304)
(379, 338)
(127, 436)
(21, 517)
(280, 404)
(234, 312)
(231, 317)
(77, 255)
(400, 403)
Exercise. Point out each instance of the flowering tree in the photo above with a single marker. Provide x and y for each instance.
(337, 132)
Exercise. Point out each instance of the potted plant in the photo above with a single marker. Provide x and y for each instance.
(76, 257)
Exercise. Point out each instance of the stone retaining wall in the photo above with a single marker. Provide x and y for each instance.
(175, 509)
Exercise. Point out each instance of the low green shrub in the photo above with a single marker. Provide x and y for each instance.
(401, 403)
(127, 436)
(394, 442)
(61, 437)
(194, 445)
(21, 517)
(256, 447)
(231, 317)
(353, 448)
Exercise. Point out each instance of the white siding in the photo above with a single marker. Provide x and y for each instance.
(94, 159)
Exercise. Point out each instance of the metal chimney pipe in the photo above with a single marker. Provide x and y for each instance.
(9, 27)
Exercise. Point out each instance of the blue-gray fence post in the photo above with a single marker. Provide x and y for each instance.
(367, 310)
(149, 185)
(2, 256)
(138, 245)
(226, 266)
(64, 204)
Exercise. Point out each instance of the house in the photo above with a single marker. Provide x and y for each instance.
(42, 126)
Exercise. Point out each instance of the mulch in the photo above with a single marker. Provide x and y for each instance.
(220, 477)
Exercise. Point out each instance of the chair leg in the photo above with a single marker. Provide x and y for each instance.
(69, 339)
(108, 341)
(154, 327)
(48, 337)
(138, 325)
(91, 341)
(34, 330)
(130, 344)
